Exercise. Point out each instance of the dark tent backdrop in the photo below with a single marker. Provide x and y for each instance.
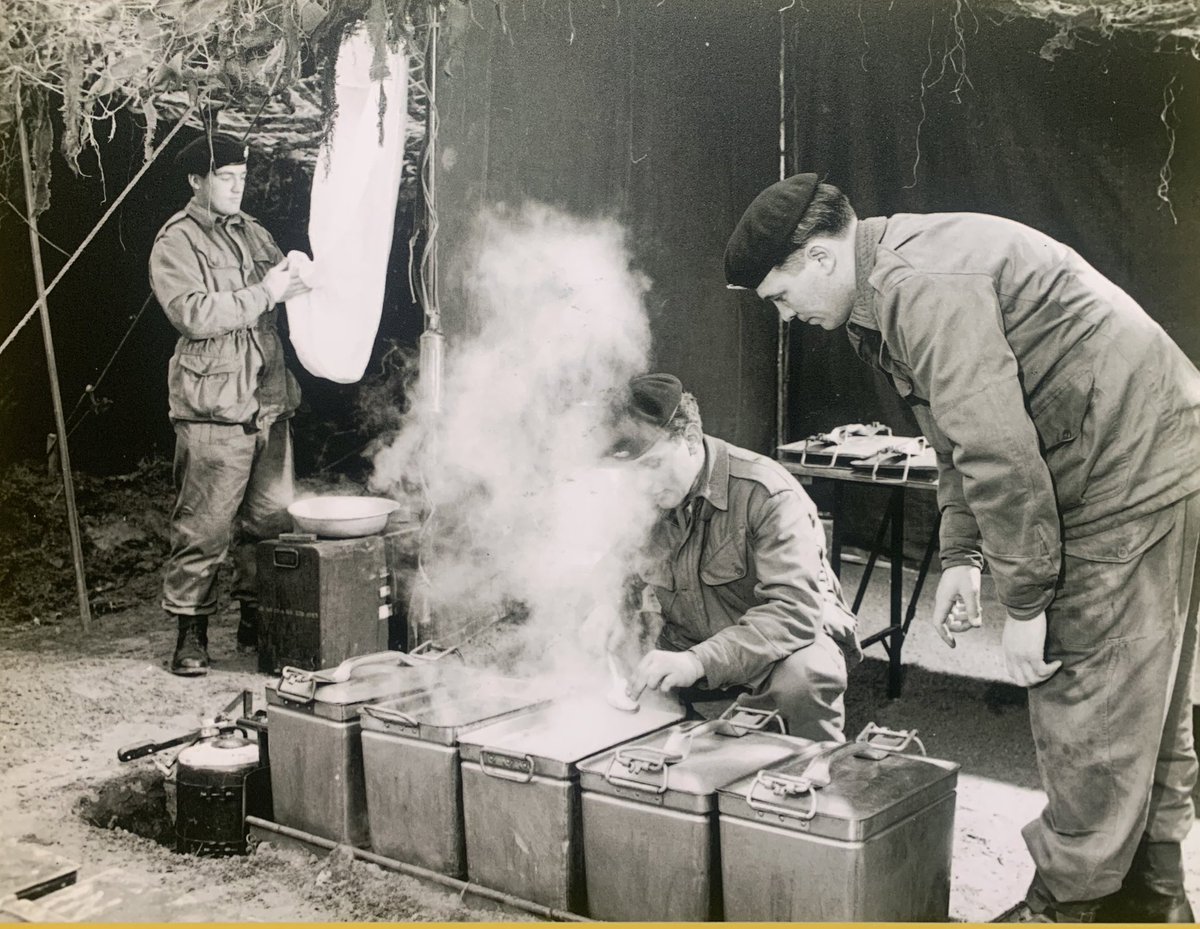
(666, 115)
(1073, 146)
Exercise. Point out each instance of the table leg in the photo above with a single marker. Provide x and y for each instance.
(895, 653)
(835, 542)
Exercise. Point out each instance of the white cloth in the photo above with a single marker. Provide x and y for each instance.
(353, 209)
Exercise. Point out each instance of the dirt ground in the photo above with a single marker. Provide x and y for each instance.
(68, 701)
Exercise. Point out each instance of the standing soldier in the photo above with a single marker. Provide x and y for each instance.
(1067, 428)
(218, 276)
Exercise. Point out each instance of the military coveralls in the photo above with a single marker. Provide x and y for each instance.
(740, 572)
(1067, 428)
(231, 399)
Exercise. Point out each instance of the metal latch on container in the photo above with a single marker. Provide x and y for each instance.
(782, 786)
(743, 719)
(881, 742)
(431, 651)
(495, 763)
(641, 760)
(391, 717)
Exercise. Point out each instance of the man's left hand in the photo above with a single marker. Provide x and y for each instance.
(663, 670)
(1025, 651)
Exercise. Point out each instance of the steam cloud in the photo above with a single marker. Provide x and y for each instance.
(523, 512)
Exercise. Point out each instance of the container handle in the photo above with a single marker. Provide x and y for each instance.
(431, 651)
(890, 740)
(503, 769)
(300, 684)
(641, 759)
(743, 719)
(782, 785)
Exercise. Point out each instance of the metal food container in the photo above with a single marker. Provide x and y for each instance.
(411, 765)
(321, 602)
(316, 751)
(520, 786)
(650, 814)
(847, 832)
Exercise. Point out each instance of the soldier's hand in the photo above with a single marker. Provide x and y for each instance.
(663, 670)
(277, 281)
(956, 602)
(1025, 651)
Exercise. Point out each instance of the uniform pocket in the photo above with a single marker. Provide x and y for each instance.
(206, 384)
(1059, 423)
(726, 561)
(1123, 544)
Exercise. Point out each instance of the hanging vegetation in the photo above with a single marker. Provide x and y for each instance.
(1175, 24)
(232, 64)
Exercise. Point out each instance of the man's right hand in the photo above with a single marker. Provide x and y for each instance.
(956, 603)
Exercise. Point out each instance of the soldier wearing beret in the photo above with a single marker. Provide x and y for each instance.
(736, 561)
(219, 275)
(1067, 429)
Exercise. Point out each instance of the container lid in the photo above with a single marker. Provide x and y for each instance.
(847, 790)
(551, 739)
(450, 707)
(338, 693)
(226, 751)
(681, 767)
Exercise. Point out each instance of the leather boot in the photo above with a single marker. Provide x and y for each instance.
(1153, 890)
(1040, 906)
(247, 630)
(191, 647)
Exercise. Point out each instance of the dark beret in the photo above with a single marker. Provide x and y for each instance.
(761, 239)
(204, 154)
(649, 404)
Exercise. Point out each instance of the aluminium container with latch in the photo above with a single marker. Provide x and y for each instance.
(520, 785)
(650, 814)
(411, 764)
(847, 832)
(317, 780)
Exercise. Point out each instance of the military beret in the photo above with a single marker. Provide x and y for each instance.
(762, 237)
(204, 154)
(649, 405)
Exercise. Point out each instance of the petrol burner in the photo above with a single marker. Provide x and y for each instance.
(211, 787)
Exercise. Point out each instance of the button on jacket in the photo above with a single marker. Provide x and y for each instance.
(740, 570)
(206, 271)
(1058, 409)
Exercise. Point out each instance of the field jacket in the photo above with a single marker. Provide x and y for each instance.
(1058, 409)
(740, 570)
(228, 367)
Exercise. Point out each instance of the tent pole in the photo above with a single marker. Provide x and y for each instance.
(96, 228)
(85, 613)
(783, 360)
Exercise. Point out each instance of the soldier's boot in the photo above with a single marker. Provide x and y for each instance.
(191, 647)
(247, 630)
(1153, 889)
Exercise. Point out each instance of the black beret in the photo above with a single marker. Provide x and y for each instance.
(203, 155)
(649, 405)
(761, 239)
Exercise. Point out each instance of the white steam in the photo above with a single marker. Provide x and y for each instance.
(524, 512)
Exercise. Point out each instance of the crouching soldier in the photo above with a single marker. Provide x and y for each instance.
(736, 561)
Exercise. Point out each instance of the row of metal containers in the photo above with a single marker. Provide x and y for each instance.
(570, 803)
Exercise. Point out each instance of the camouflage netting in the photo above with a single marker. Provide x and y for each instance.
(1173, 24)
(265, 64)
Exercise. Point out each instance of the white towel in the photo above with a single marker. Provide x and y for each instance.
(353, 209)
